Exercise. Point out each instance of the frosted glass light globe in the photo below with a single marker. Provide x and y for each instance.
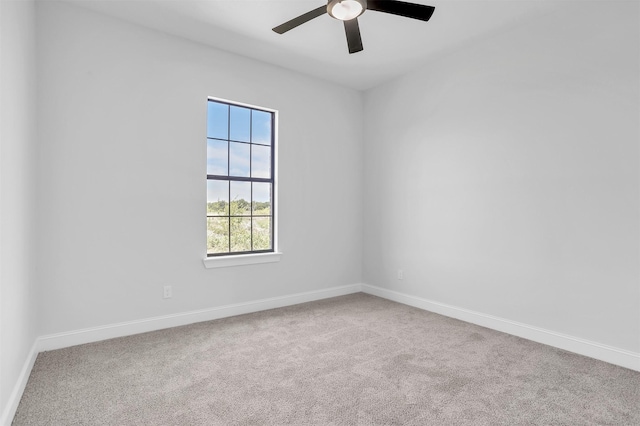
(346, 9)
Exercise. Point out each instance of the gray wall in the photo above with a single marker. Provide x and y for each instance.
(122, 191)
(17, 183)
(503, 178)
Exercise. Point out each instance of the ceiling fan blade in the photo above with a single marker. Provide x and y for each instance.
(354, 41)
(306, 17)
(409, 10)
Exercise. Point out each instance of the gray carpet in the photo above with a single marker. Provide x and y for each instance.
(350, 360)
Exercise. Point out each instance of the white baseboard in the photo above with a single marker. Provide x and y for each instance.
(595, 350)
(110, 331)
(14, 399)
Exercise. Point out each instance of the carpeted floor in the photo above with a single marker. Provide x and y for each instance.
(350, 360)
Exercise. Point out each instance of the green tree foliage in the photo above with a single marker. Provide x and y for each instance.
(235, 230)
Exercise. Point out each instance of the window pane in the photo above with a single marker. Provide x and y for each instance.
(261, 198)
(239, 157)
(217, 120)
(240, 234)
(240, 124)
(261, 232)
(217, 235)
(261, 127)
(218, 197)
(260, 161)
(240, 198)
(217, 157)
(239, 151)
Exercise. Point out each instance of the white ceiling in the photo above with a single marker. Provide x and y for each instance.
(393, 45)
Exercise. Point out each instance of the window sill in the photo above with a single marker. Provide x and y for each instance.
(239, 260)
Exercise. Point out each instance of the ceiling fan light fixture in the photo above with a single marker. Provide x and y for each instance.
(349, 10)
(345, 10)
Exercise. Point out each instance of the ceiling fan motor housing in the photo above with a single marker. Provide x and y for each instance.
(345, 10)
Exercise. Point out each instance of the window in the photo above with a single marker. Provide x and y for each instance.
(240, 179)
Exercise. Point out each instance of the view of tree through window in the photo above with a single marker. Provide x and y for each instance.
(240, 179)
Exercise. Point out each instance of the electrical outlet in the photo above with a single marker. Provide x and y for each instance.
(167, 292)
(400, 274)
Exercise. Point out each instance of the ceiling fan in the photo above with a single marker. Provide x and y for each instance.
(349, 10)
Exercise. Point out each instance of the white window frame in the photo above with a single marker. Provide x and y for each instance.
(253, 258)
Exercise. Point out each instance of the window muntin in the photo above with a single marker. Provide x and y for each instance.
(240, 179)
